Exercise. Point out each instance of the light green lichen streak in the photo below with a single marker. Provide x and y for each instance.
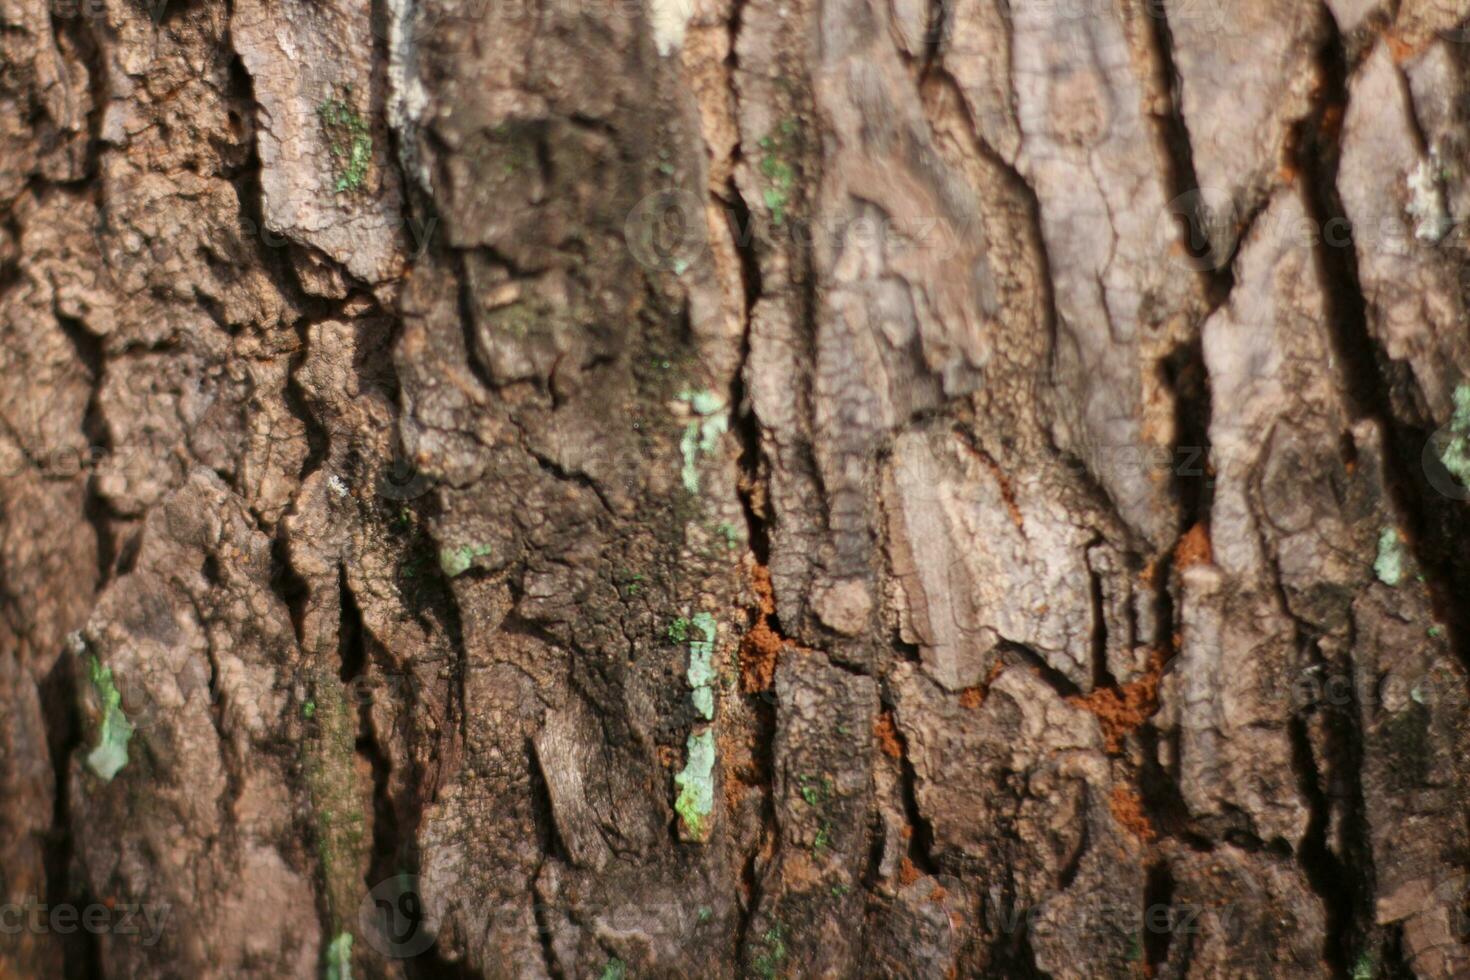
(701, 664)
(457, 561)
(1456, 455)
(113, 735)
(701, 434)
(1389, 565)
(339, 957)
(696, 784)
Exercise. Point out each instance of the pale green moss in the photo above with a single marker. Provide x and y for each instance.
(339, 957)
(701, 664)
(457, 561)
(348, 140)
(702, 433)
(696, 800)
(816, 793)
(730, 533)
(330, 767)
(776, 167)
(1456, 453)
(615, 969)
(1389, 565)
(768, 963)
(115, 731)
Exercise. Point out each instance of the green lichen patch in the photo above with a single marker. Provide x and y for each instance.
(773, 952)
(330, 757)
(615, 969)
(778, 150)
(702, 433)
(696, 782)
(456, 561)
(702, 674)
(631, 582)
(339, 958)
(349, 141)
(729, 533)
(115, 731)
(817, 792)
(1389, 565)
(1456, 452)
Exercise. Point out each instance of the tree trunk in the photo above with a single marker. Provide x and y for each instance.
(792, 488)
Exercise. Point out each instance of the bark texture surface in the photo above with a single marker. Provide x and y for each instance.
(713, 488)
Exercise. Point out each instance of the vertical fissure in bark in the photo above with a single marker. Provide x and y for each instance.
(1179, 173)
(1335, 883)
(288, 584)
(552, 849)
(1158, 895)
(1101, 675)
(351, 645)
(1437, 525)
(750, 486)
(753, 490)
(61, 716)
(1187, 378)
(1163, 801)
(1344, 881)
(921, 837)
(543, 941)
(352, 657)
(467, 322)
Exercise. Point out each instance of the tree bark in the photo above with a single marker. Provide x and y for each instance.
(811, 488)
